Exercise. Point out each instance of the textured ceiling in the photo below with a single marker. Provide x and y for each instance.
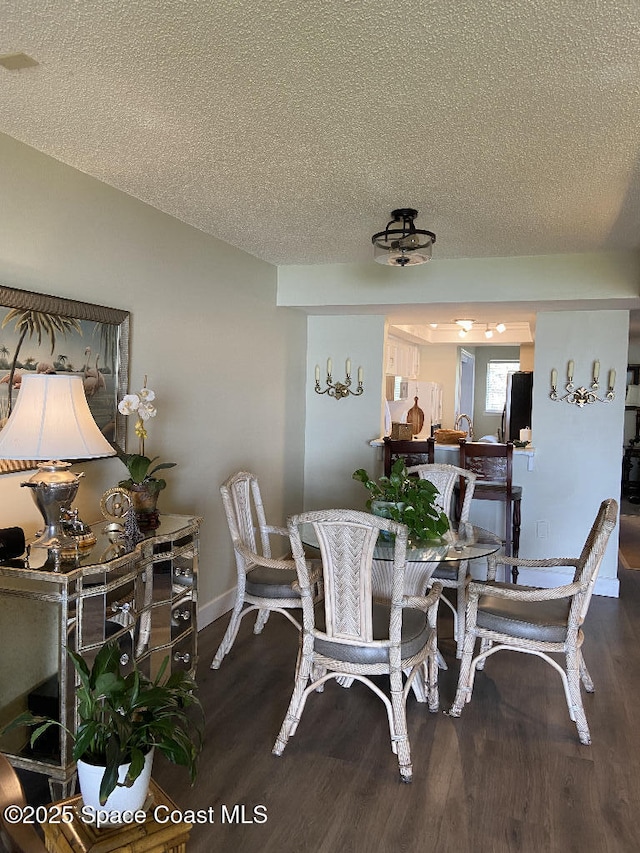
(291, 128)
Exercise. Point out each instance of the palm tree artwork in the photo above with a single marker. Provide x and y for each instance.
(40, 325)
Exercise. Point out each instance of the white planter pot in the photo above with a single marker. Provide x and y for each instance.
(122, 798)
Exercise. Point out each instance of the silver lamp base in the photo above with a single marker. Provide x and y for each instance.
(54, 488)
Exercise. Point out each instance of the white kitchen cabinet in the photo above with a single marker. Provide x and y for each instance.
(403, 358)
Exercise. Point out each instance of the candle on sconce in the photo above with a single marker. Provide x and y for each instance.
(554, 378)
(570, 371)
(329, 366)
(348, 367)
(596, 370)
(317, 373)
(360, 374)
(612, 378)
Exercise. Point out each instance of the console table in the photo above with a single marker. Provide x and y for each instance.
(145, 599)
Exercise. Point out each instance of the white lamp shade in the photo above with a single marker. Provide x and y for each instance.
(51, 420)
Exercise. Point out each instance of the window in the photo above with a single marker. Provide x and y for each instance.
(496, 395)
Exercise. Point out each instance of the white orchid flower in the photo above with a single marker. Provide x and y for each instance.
(140, 404)
(146, 411)
(129, 404)
(147, 395)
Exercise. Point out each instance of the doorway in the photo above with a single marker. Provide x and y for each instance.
(466, 385)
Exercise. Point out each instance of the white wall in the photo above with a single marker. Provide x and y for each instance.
(338, 432)
(527, 355)
(440, 363)
(554, 278)
(578, 450)
(227, 365)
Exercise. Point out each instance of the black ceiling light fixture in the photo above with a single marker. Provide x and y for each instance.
(401, 244)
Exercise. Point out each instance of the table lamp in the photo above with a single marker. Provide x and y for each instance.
(51, 421)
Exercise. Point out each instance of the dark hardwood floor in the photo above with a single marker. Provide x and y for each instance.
(509, 775)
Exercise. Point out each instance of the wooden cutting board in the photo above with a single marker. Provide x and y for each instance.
(415, 417)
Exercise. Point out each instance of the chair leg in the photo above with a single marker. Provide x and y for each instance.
(515, 534)
(261, 620)
(433, 691)
(508, 541)
(419, 682)
(516, 531)
(485, 645)
(461, 607)
(458, 624)
(465, 679)
(399, 735)
(230, 634)
(584, 675)
(296, 705)
(576, 710)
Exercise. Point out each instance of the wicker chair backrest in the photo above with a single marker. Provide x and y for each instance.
(488, 461)
(590, 559)
(347, 539)
(444, 478)
(245, 513)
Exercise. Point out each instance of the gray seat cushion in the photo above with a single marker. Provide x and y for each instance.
(271, 583)
(538, 620)
(415, 633)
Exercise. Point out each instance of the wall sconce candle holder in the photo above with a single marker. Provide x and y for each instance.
(339, 389)
(582, 396)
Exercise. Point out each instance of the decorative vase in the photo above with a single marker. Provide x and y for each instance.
(145, 505)
(383, 510)
(121, 798)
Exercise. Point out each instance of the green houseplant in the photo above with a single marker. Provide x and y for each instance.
(121, 718)
(407, 499)
(141, 473)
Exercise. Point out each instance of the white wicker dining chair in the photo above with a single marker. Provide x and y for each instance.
(351, 636)
(263, 581)
(537, 621)
(451, 574)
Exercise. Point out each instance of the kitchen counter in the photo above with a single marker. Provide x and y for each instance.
(445, 452)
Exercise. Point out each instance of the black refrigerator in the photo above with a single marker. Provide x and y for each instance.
(517, 410)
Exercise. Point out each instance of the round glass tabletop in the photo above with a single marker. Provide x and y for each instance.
(469, 542)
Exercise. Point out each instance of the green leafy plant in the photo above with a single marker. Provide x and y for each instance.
(121, 717)
(409, 500)
(141, 473)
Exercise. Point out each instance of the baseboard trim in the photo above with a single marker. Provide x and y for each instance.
(212, 610)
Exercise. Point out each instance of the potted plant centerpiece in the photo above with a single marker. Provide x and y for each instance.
(407, 499)
(122, 719)
(141, 484)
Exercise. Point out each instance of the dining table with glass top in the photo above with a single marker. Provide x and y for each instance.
(467, 542)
